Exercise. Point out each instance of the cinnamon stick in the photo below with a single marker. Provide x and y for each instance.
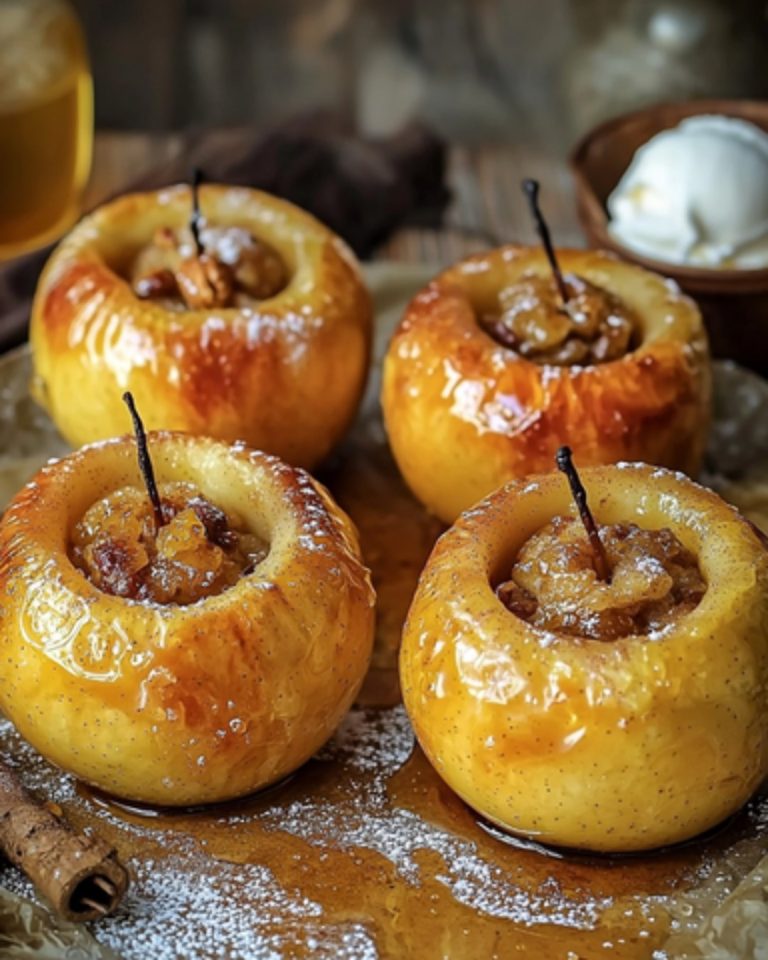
(79, 874)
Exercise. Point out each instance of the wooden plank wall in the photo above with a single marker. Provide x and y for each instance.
(479, 70)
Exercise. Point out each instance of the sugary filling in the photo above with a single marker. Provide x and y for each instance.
(553, 585)
(199, 550)
(593, 326)
(234, 270)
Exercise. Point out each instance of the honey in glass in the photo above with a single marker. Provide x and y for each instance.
(46, 122)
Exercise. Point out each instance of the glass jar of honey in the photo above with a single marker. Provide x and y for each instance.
(46, 122)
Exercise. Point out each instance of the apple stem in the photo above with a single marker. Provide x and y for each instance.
(145, 462)
(531, 190)
(196, 217)
(564, 459)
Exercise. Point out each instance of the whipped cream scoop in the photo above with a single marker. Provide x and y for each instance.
(697, 194)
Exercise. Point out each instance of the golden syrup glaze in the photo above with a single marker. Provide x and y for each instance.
(223, 695)
(285, 375)
(465, 414)
(370, 834)
(623, 745)
(437, 886)
(398, 536)
(319, 835)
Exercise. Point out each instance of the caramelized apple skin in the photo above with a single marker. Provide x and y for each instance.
(285, 376)
(619, 745)
(465, 414)
(183, 704)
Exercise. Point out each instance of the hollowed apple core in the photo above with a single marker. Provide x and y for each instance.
(198, 551)
(251, 240)
(553, 584)
(528, 316)
(164, 267)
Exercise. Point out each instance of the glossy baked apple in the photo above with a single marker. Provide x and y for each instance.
(613, 715)
(488, 373)
(256, 326)
(192, 661)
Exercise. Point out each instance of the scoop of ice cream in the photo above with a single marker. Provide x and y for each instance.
(697, 194)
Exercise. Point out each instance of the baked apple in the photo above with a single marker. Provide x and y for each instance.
(611, 710)
(184, 650)
(491, 370)
(251, 322)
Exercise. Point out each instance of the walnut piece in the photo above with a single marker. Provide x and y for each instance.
(205, 283)
(235, 269)
(594, 326)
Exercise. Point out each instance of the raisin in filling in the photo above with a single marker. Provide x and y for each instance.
(199, 551)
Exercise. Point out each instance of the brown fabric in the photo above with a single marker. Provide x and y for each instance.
(364, 189)
(79, 874)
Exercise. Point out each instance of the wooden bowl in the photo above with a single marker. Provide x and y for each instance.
(734, 302)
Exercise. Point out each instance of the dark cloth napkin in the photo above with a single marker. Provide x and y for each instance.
(362, 188)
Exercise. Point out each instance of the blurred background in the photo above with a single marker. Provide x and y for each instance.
(404, 113)
(539, 71)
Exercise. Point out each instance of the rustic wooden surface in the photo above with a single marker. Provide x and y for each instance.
(488, 206)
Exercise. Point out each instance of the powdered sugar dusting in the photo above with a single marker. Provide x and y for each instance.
(184, 902)
(372, 741)
(401, 836)
(187, 902)
(173, 910)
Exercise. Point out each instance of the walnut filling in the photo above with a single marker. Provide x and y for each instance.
(553, 584)
(594, 326)
(236, 269)
(198, 552)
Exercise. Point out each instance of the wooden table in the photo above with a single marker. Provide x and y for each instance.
(488, 206)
